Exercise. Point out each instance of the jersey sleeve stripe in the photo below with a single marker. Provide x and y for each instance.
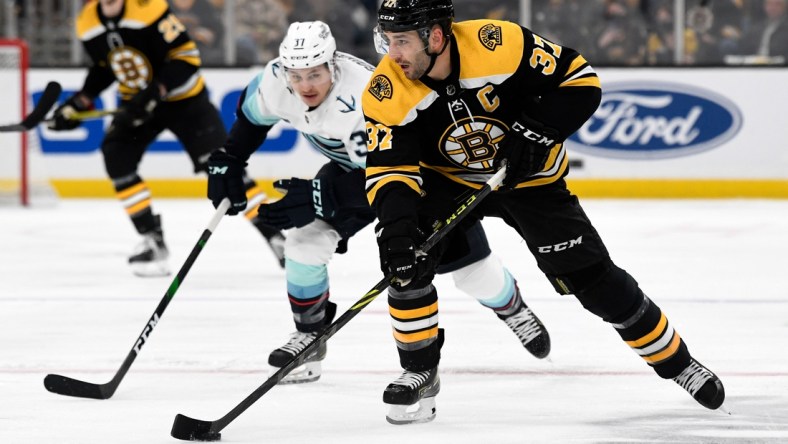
(577, 64)
(192, 87)
(584, 81)
(187, 52)
(375, 184)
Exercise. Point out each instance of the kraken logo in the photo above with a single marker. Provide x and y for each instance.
(490, 36)
(130, 66)
(381, 88)
(471, 143)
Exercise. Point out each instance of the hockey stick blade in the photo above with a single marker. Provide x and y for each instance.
(189, 429)
(45, 102)
(63, 385)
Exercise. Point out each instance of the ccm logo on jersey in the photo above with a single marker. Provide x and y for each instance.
(562, 246)
(657, 120)
(217, 170)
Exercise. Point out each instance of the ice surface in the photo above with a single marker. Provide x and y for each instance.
(70, 305)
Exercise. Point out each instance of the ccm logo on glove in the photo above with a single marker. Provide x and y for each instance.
(532, 135)
(317, 197)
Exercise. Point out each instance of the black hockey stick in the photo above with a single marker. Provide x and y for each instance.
(64, 385)
(45, 102)
(189, 429)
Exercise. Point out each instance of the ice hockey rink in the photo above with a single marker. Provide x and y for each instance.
(69, 305)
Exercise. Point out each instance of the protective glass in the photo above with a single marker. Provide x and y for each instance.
(308, 76)
(401, 43)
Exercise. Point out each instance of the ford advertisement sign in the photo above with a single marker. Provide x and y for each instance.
(657, 120)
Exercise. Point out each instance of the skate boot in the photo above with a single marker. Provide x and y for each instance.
(411, 397)
(310, 370)
(530, 330)
(702, 384)
(150, 257)
(275, 239)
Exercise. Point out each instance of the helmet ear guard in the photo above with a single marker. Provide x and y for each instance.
(307, 45)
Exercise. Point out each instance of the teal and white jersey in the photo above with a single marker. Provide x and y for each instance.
(336, 127)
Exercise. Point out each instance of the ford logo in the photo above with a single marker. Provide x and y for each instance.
(651, 120)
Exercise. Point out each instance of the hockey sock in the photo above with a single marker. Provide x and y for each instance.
(414, 318)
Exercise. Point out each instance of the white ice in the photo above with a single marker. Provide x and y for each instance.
(69, 305)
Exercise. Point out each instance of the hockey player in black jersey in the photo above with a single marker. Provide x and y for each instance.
(445, 108)
(143, 46)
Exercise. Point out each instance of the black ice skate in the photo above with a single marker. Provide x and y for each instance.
(530, 330)
(150, 257)
(411, 397)
(702, 384)
(310, 370)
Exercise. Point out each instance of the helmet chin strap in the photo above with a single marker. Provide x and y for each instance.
(434, 56)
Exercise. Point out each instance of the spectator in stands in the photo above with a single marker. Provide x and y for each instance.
(718, 30)
(622, 38)
(260, 27)
(567, 21)
(769, 37)
(204, 25)
(346, 15)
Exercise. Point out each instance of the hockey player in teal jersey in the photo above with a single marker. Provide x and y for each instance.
(445, 107)
(318, 90)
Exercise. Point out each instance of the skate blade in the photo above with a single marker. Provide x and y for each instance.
(422, 411)
(308, 372)
(150, 269)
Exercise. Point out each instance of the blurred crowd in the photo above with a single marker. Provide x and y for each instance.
(643, 32)
(606, 32)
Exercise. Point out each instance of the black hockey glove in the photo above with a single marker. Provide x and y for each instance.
(525, 149)
(304, 200)
(139, 109)
(226, 179)
(61, 120)
(397, 245)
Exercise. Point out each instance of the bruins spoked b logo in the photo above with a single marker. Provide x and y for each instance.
(131, 67)
(471, 144)
(380, 87)
(490, 36)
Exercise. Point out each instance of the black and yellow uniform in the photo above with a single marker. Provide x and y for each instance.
(430, 141)
(144, 45)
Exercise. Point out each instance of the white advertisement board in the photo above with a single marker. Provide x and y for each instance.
(722, 130)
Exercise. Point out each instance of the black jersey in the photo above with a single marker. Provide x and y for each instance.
(146, 42)
(499, 71)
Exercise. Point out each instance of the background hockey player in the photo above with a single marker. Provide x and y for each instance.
(458, 99)
(318, 91)
(142, 45)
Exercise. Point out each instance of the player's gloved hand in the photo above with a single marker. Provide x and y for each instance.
(397, 243)
(525, 149)
(226, 179)
(139, 109)
(304, 200)
(61, 118)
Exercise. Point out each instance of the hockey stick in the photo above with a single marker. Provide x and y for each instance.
(45, 102)
(189, 429)
(64, 385)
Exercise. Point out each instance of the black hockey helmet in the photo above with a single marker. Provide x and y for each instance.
(411, 15)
